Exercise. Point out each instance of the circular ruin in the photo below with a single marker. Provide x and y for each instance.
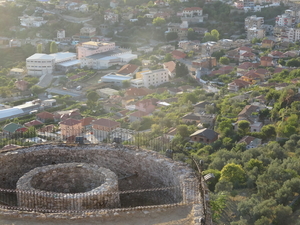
(38, 178)
(90, 186)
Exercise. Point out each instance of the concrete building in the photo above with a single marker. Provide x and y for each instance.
(254, 21)
(285, 20)
(40, 64)
(61, 34)
(87, 32)
(255, 33)
(32, 21)
(91, 48)
(115, 79)
(291, 35)
(155, 77)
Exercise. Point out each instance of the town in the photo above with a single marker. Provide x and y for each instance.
(216, 81)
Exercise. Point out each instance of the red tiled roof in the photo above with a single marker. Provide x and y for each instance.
(45, 115)
(266, 58)
(33, 123)
(244, 48)
(87, 121)
(170, 66)
(70, 122)
(276, 53)
(240, 83)
(48, 128)
(267, 42)
(247, 139)
(139, 114)
(106, 122)
(178, 54)
(128, 69)
(192, 9)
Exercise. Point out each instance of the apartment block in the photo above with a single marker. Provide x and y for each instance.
(155, 77)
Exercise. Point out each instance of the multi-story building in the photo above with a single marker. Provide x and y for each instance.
(291, 35)
(91, 48)
(61, 34)
(254, 21)
(111, 16)
(41, 64)
(285, 20)
(32, 21)
(87, 32)
(255, 33)
(155, 77)
(192, 14)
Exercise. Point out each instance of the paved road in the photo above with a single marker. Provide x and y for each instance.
(45, 80)
(64, 92)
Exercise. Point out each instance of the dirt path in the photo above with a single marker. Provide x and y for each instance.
(172, 216)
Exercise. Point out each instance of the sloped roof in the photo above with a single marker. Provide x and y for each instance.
(138, 114)
(87, 121)
(207, 133)
(33, 123)
(106, 122)
(128, 69)
(45, 115)
(171, 65)
(70, 122)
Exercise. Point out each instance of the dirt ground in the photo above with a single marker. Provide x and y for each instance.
(172, 216)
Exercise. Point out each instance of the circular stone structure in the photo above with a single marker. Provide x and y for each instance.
(145, 178)
(68, 186)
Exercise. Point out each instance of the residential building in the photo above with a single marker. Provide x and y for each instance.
(249, 113)
(250, 141)
(21, 85)
(171, 67)
(200, 106)
(146, 105)
(285, 20)
(128, 70)
(61, 34)
(87, 32)
(63, 115)
(92, 47)
(205, 136)
(70, 127)
(105, 125)
(205, 62)
(137, 116)
(176, 54)
(266, 61)
(192, 14)
(31, 21)
(18, 72)
(155, 77)
(45, 116)
(191, 118)
(13, 128)
(255, 33)
(267, 43)
(291, 35)
(254, 21)
(106, 92)
(137, 83)
(111, 17)
(238, 84)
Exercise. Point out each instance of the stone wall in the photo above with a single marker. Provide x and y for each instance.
(68, 186)
(153, 170)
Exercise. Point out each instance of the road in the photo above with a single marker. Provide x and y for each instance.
(64, 92)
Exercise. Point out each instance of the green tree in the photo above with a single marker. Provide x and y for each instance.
(158, 21)
(215, 34)
(39, 48)
(92, 96)
(183, 130)
(233, 173)
(36, 89)
(243, 127)
(269, 131)
(126, 84)
(224, 60)
(171, 36)
(136, 62)
(53, 47)
(168, 57)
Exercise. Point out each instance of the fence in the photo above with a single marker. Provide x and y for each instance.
(157, 142)
(50, 202)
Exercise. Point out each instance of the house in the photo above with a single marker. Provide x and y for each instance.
(171, 133)
(267, 44)
(13, 128)
(137, 116)
(47, 129)
(107, 92)
(137, 92)
(207, 119)
(256, 126)
(238, 84)
(266, 61)
(176, 54)
(205, 136)
(62, 115)
(146, 105)
(105, 125)
(70, 127)
(86, 123)
(45, 116)
(17, 72)
(276, 55)
(171, 67)
(33, 123)
(128, 70)
(246, 66)
(251, 142)
(200, 106)
(21, 85)
(248, 113)
(191, 118)
(247, 56)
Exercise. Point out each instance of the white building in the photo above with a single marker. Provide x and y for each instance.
(91, 48)
(107, 59)
(115, 79)
(285, 20)
(138, 83)
(155, 77)
(292, 35)
(61, 34)
(254, 21)
(41, 64)
(255, 33)
(32, 21)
